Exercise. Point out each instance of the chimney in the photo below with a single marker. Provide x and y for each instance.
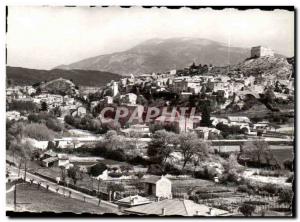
(131, 200)
(163, 211)
(211, 211)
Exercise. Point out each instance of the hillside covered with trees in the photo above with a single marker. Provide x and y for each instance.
(24, 76)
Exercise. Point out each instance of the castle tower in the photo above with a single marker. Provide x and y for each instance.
(115, 88)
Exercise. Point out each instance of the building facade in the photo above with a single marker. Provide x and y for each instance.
(260, 51)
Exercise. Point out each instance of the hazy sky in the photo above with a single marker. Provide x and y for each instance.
(45, 37)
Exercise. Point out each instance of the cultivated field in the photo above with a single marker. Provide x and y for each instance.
(32, 199)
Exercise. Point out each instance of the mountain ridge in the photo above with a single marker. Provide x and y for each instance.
(159, 55)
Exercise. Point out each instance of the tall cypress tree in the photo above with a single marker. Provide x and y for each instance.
(205, 117)
(44, 106)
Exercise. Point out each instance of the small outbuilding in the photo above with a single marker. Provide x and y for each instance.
(160, 187)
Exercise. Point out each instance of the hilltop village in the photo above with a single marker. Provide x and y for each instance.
(129, 146)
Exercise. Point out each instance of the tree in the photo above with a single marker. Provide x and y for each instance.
(97, 169)
(20, 106)
(44, 106)
(69, 119)
(113, 141)
(257, 151)
(269, 95)
(75, 142)
(286, 197)
(51, 145)
(231, 169)
(247, 209)
(288, 164)
(75, 174)
(161, 146)
(115, 187)
(63, 173)
(54, 124)
(56, 111)
(190, 145)
(38, 131)
(25, 155)
(140, 186)
(205, 121)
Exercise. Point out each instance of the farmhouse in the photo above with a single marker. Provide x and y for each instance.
(51, 161)
(205, 132)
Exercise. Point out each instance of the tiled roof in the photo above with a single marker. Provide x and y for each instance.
(151, 179)
(50, 159)
(176, 207)
(134, 200)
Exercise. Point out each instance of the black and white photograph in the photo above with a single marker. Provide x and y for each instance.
(150, 111)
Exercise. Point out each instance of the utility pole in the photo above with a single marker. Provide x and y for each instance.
(15, 197)
(25, 170)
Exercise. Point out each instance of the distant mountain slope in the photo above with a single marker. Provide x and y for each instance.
(23, 76)
(158, 55)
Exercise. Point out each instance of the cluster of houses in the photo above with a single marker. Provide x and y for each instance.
(157, 198)
(52, 159)
(19, 93)
(67, 104)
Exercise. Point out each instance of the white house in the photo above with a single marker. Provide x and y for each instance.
(80, 112)
(239, 119)
(160, 187)
(129, 98)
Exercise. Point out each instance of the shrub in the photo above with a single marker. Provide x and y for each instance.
(38, 131)
(286, 197)
(290, 178)
(247, 209)
(256, 202)
(54, 124)
(243, 188)
(206, 173)
(269, 173)
(229, 177)
(155, 169)
(205, 196)
(288, 164)
(97, 169)
(172, 170)
(20, 106)
(270, 188)
(137, 160)
(115, 174)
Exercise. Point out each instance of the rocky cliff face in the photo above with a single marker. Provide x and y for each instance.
(275, 66)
